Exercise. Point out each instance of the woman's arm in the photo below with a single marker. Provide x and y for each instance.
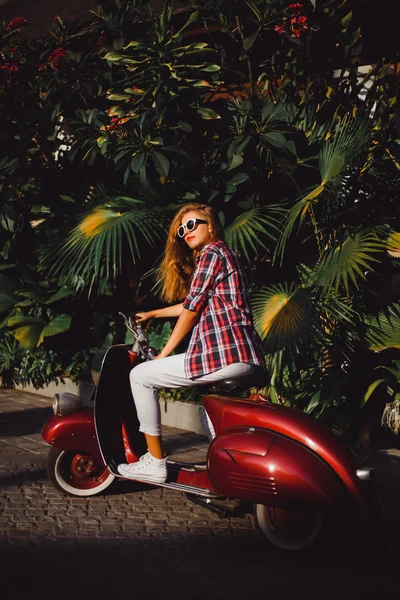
(160, 313)
(183, 325)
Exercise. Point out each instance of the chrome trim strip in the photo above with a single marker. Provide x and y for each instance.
(182, 466)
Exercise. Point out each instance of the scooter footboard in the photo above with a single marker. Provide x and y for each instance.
(117, 425)
(261, 466)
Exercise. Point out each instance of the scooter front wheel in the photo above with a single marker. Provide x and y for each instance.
(288, 528)
(77, 474)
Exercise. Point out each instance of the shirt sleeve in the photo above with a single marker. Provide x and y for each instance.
(203, 282)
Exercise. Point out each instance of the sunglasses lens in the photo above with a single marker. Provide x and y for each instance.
(190, 225)
(181, 231)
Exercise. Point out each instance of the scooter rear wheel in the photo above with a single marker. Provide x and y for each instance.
(77, 474)
(289, 529)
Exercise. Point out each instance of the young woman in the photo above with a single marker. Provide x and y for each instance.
(199, 267)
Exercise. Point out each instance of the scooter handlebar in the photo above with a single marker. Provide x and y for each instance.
(141, 339)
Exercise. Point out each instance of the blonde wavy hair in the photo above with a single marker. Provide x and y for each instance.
(179, 261)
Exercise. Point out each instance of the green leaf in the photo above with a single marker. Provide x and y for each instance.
(59, 295)
(238, 179)
(384, 330)
(208, 113)
(276, 139)
(282, 316)
(348, 261)
(371, 389)
(113, 56)
(137, 161)
(119, 96)
(314, 402)
(59, 324)
(235, 162)
(184, 126)
(7, 301)
(249, 41)
(26, 330)
(212, 68)
(161, 163)
(345, 22)
(250, 230)
(93, 249)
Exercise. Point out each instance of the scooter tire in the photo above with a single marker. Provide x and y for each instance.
(77, 474)
(288, 529)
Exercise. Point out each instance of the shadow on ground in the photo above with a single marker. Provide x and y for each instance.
(24, 422)
(358, 564)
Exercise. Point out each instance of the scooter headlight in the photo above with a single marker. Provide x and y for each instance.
(66, 404)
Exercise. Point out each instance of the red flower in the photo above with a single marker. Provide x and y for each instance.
(9, 68)
(296, 6)
(17, 22)
(55, 59)
(279, 29)
(114, 124)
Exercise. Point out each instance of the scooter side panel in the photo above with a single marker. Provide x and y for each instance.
(294, 424)
(263, 467)
(75, 432)
(117, 425)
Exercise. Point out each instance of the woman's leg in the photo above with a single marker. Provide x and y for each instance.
(154, 445)
(148, 377)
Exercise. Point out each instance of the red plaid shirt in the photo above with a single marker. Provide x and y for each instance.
(224, 333)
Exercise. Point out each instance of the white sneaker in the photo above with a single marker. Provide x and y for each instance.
(146, 468)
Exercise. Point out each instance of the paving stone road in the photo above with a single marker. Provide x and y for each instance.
(141, 541)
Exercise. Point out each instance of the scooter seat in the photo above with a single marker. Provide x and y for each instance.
(238, 385)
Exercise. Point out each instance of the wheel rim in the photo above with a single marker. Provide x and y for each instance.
(81, 471)
(291, 529)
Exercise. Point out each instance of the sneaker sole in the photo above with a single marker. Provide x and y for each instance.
(139, 477)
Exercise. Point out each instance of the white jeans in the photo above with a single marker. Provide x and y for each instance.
(148, 377)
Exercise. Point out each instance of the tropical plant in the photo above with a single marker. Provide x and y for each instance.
(257, 107)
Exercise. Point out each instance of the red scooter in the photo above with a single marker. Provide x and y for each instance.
(290, 467)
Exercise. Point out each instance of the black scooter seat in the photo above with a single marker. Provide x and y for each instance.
(257, 379)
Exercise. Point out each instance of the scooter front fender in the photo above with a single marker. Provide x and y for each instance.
(262, 466)
(73, 432)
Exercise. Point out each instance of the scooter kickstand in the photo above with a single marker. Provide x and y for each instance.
(207, 503)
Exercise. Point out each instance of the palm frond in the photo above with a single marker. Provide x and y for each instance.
(393, 244)
(26, 330)
(282, 315)
(341, 148)
(249, 228)
(298, 213)
(59, 324)
(344, 147)
(384, 330)
(98, 245)
(349, 261)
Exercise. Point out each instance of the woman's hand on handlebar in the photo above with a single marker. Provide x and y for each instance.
(160, 313)
(143, 316)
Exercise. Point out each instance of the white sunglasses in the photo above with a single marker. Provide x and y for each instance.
(190, 225)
